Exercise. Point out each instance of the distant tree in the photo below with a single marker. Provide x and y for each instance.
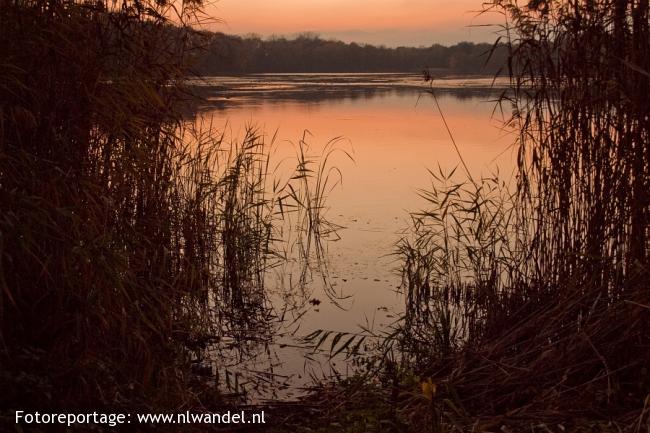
(307, 52)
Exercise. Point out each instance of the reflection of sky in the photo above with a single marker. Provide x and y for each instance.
(278, 88)
(261, 82)
(394, 138)
(379, 22)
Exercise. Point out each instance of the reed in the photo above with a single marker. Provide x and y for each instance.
(531, 307)
(133, 247)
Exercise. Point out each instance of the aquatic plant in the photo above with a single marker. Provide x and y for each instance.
(133, 247)
(531, 306)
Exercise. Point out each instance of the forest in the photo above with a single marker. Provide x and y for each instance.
(230, 54)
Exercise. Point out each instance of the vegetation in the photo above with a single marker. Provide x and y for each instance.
(228, 54)
(133, 248)
(131, 245)
(530, 309)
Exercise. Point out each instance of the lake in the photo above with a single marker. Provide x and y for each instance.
(392, 128)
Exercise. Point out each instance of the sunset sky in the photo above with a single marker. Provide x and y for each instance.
(387, 22)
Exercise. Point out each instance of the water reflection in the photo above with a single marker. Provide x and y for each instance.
(395, 134)
(226, 92)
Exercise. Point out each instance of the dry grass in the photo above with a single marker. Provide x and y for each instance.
(130, 245)
(531, 308)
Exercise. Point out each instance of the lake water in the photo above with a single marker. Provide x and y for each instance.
(395, 133)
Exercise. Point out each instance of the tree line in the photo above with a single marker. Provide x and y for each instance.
(231, 54)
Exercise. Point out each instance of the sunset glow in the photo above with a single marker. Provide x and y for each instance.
(380, 22)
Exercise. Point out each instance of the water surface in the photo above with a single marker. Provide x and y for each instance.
(391, 126)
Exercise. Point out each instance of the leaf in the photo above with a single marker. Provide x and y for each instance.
(429, 389)
(345, 345)
(335, 341)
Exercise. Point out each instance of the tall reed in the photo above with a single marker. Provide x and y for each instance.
(131, 245)
(535, 306)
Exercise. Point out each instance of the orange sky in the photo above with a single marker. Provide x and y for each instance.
(388, 22)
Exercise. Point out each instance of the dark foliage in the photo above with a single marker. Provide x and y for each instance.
(533, 306)
(227, 54)
(130, 245)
